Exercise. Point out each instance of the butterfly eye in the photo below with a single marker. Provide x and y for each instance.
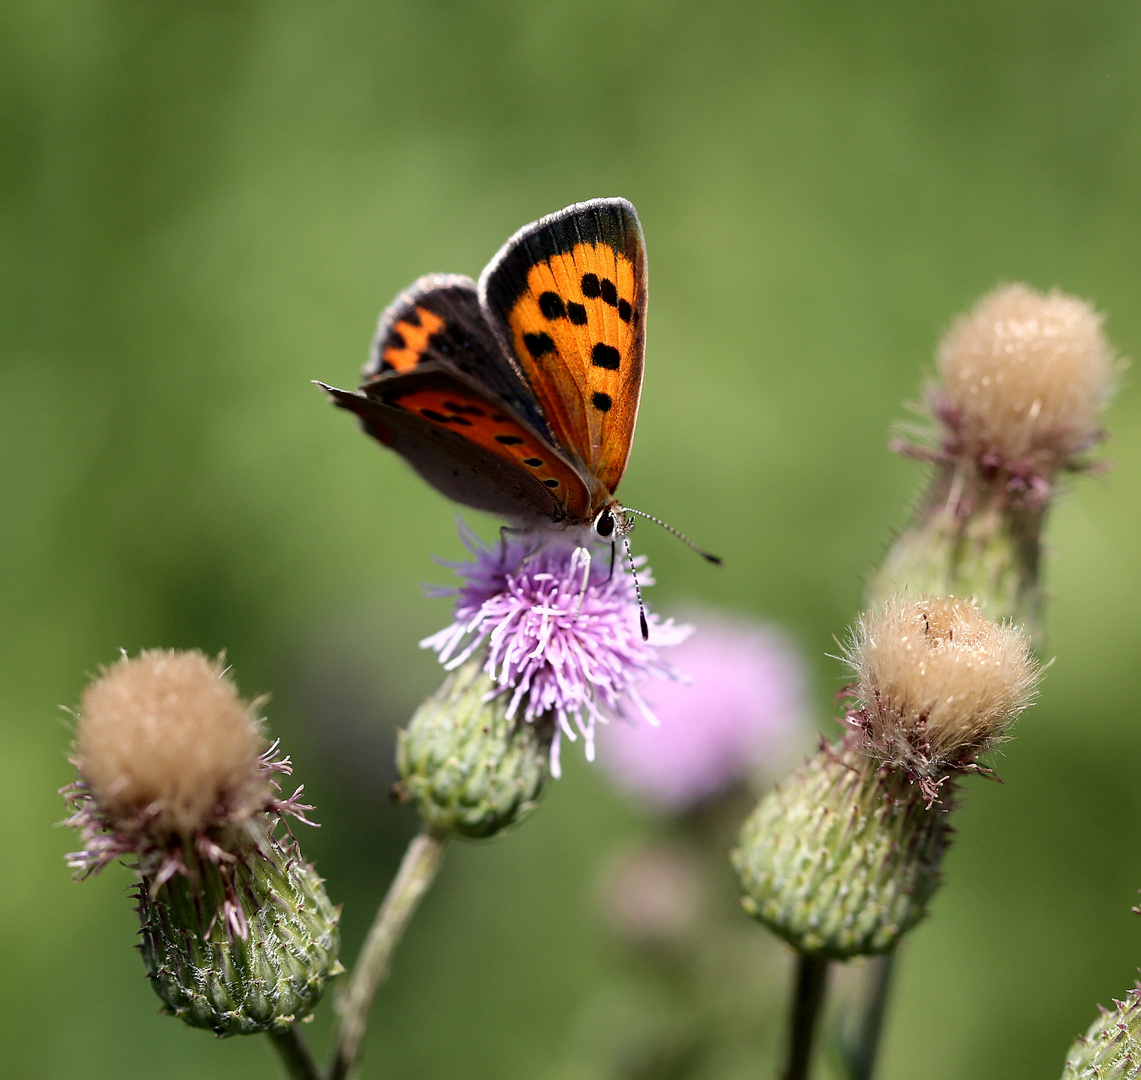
(604, 523)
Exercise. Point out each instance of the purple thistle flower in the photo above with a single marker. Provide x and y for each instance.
(739, 708)
(560, 627)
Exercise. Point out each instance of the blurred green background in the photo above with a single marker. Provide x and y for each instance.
(205, 205)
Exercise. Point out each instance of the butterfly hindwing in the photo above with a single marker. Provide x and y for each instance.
(467, 443)
(567, 297)
(439, 319)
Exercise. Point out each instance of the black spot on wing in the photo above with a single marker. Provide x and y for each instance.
(609, 292)
(468, 410)
(440, 418)
(551, 305)
(509, 440)
(591, 288)
(551, 483)
(576, 313)
(624, 310)
(534, 462)
(538, 344)
(605, 356)
(602, 402)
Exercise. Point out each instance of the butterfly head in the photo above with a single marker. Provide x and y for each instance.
(611, 523)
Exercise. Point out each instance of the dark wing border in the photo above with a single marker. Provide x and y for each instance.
(612, 221)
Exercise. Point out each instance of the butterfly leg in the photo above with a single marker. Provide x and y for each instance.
(506, 530)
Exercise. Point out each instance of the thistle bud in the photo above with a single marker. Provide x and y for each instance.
(238, 934)
(465, 764)
(1111, 1049)
(1023, 379)
(842, 859)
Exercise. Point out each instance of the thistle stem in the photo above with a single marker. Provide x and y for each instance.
(418, 869)
(811, 982)
(295, 1056)
(859, 1050)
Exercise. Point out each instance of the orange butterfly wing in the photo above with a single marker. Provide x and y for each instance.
(567, 296)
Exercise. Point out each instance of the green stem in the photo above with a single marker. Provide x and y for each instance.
(295, 1056)
(421, 861)
(811, 982)
(859, 1050)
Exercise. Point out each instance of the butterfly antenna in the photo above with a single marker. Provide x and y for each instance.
(637, 589)
(706, 555)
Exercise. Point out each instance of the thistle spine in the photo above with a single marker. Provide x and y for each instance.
(1111, 1048)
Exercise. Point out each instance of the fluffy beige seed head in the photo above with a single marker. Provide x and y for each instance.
(167, 733)
(939, 681)
(1027, 375)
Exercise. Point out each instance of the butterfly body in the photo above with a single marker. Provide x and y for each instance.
(519, 394)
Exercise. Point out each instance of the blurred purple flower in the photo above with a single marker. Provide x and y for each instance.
(738, 709)
(561, 630)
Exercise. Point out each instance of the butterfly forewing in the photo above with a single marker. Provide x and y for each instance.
(567, 296)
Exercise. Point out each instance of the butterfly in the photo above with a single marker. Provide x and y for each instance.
(519, 394)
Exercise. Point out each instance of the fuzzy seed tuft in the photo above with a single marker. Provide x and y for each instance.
(1025, 376)
(939, 683)
(166, 735)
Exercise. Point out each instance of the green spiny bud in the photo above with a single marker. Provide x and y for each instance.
(467, 766)
(841, 859)
(265, 977)
(1111, 1049)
